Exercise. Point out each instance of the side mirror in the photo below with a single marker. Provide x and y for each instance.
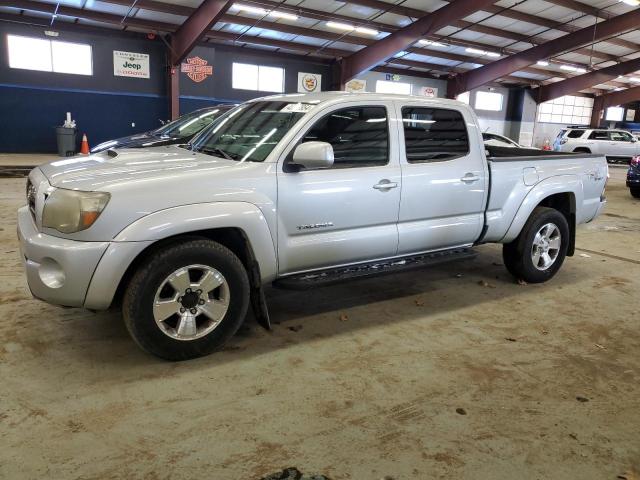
(312, 155)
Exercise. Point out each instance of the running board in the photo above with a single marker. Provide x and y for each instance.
(321, 278)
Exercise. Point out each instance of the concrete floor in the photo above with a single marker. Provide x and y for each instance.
(358, 381)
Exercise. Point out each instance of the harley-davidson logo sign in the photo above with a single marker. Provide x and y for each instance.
(196, 69)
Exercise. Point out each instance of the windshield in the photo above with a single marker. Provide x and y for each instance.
(191, 123)
(251, 131)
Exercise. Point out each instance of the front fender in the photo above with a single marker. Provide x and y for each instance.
(132, 240)
(546, 188)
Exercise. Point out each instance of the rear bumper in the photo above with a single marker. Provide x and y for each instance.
(58, 270)
(633, 179)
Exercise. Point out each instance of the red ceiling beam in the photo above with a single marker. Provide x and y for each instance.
(620, 98)
(500, 68)
(495, 10)
(575, 84)
(374, 55)
(195, 27)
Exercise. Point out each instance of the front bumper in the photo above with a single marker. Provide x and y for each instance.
(58, 270)
(633, 179)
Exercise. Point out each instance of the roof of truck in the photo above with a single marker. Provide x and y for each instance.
(322, 97)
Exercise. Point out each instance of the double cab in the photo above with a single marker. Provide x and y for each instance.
(296, 190)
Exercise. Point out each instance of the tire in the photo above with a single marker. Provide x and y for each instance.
(202, 322)
(518, 256)
(635, 192)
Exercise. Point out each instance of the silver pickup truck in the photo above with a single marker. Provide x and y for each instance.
(296, 190)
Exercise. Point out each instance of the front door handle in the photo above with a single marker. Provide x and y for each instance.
(470, 178)
(385, 185)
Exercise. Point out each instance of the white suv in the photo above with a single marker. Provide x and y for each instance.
(616, 145)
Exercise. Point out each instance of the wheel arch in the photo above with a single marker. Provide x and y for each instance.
(562, 193)
(240, 227)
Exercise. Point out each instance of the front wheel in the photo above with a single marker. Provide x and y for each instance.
(540, 249)
(635, 192)
(187, 300)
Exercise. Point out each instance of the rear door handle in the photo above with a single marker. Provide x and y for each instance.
(385, 185)
(470, 178)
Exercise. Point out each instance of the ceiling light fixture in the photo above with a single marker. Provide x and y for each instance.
(571, 68)
(285, 15)
(250, 9)
(482, 52)
(633, 3)
(431, 43)
(367, 31)
(351, 28)
(634, 79)
(542, 63)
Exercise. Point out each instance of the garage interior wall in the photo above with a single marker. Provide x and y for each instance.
(105, 106)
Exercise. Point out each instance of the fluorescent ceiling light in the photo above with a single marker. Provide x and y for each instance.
(340, 26)
(633, 3)
(634, 79)
(249, 8)
(288, 16)
(351, 28)
(542, 63)
(367, 31)
(432, 43)
(482, 52)
(571, 68)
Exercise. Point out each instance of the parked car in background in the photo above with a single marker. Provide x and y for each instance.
(180, 130)
(633, 177)
(495, 140)
(618, 146)
(299, 190)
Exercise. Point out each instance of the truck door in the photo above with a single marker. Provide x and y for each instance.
(444, 178)
(347, 213)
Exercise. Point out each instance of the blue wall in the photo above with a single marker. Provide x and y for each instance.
(34, 112)
(104, 106)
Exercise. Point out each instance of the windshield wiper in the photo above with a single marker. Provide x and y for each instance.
(219, 153)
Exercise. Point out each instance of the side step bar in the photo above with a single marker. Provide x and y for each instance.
(321, 278)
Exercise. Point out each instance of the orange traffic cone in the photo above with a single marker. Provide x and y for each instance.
(84, 148)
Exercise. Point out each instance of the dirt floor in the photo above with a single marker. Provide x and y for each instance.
(453, 372)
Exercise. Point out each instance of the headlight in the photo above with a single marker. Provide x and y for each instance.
(70, 211)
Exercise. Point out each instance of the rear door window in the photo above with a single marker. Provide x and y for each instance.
(620, 137)
(434, 134)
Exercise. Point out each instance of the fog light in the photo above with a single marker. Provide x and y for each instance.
(51, 273)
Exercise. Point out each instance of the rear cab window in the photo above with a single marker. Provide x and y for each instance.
(434, 134)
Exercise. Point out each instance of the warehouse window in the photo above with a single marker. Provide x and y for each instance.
(434, 134)
(258, 78)
(489, 101)
(463, 97)
(359, 136)
(49, 55)
(383, 86)
(568, 110)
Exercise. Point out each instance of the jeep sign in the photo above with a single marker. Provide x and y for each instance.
(128, 64)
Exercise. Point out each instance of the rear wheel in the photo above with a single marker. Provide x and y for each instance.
(540, 249)
(187, 301)
(635, 192)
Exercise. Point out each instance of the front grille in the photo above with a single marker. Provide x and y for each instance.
(31, 198)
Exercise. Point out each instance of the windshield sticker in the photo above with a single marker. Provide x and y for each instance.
(297, 107)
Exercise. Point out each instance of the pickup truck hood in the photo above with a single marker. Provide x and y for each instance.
(102, 170)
